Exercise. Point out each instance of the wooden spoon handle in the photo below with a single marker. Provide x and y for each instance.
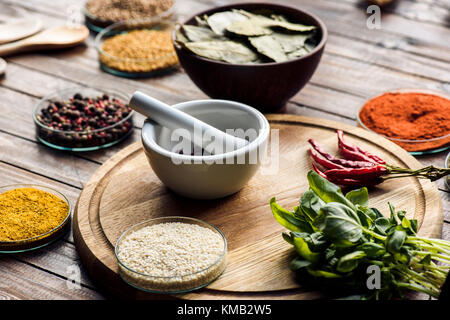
(13, 47)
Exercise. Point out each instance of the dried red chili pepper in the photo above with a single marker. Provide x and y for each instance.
(324, 162)
(343, 162)
(358, 174)
(347, 182)
(365, 175)
(354, 148)
(352, 155)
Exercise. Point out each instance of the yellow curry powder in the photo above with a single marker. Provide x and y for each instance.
(139, 51)
(29, 212)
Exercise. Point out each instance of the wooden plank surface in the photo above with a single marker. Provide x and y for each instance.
(410, 50)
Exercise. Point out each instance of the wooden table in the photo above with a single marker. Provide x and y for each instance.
(410, 50)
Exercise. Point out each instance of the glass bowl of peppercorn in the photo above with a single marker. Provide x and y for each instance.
(83, 119)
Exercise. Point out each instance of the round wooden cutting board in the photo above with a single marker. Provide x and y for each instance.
(125, 191)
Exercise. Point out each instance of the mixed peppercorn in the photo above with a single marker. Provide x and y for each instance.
(84, 122)
(362, 168)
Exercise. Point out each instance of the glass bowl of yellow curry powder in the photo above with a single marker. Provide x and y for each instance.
(31, 216)
(137, 48)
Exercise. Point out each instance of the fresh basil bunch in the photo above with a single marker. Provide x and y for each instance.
(338, 236)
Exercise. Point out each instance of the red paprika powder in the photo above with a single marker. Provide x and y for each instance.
(409, 116)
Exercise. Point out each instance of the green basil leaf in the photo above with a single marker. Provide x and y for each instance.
(382, 225)
(372, 249)
(287, 237)
(359, 196)
(395, 241)
(401, 214)
(408, 225)
(327, 191)
(329, 253)
(405, 223)
(322, 273)
(287, 219)
(350, 261)
(317, 241)
(377, 213)
(349, 211)
(403, 256)
(413, 225)
(297, 263)
(337, 225)
(310, 203)
(302, 248)
(363, 215)
(392, 217)
(426, 260)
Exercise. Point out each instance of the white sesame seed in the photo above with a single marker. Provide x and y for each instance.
(171, 256)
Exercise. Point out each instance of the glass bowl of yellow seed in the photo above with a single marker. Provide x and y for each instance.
(137, 48)
(31, 216)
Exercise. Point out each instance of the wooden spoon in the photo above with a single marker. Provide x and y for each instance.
(54, 38)
(2, 66)
(19, 29)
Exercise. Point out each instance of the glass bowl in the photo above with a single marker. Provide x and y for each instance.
(172, 284)
(136, 67)
(97, 24)
(43, 239)
(414, 147)
(82, 140)
(447, 165)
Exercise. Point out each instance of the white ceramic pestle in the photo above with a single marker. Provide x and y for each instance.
(173, 118)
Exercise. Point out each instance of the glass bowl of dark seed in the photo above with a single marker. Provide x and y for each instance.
(83, 119)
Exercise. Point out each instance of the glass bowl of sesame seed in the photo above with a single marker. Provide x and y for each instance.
(137, 48)
(171, 255)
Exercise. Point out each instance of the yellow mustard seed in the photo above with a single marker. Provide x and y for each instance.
(28, 212)
(139, 51)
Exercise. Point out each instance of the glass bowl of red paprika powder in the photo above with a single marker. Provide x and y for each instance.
(418, 120)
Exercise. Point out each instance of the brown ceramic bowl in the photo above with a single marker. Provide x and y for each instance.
(267, 86)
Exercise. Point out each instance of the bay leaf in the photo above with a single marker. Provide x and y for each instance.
(309, 47)
(266, 22)
(279, 17)
(269, 47)
(220, 20)
(180, 37)
(202, 21)
(194, 33)
(290, 42)
(228, 51)
(295, 26)
(249, 28)
(297, 53)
